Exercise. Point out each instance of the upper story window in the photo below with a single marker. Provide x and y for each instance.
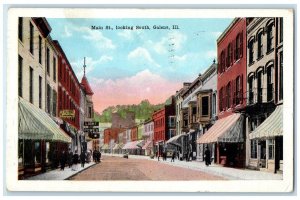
(251, 53)
(54, 69)
(228, 100)
(40, 49)
(205, 106)
(40, 91)
(48, 61)
(260, 45)
(239, 46)
(20, 75)
(221, 99)
(239, 90)
(229, 58)
(251, 94)
(31, 84)
(31, 37)
(214, 104)
(259, 86)
(270, 83)
(222, 61)
(281, 76)
(20, 30)
(269, 37)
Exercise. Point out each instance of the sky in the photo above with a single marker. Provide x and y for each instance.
(126, 65)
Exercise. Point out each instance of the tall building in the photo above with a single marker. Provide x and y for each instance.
(40, 138)
(228, 132)
(264, 94)
(69, 95)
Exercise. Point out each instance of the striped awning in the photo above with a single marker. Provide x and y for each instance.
(271, 127)
(36, 124)
(105, 146)
(174, 140)
(228, 129)
(131, 145)
(147, 145)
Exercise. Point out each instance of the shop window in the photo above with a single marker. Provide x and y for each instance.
(271, 149)
(254, 149)
(21, 152)
(37, 150)
(20, 30)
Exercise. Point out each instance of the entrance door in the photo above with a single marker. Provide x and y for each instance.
(278, 153)
(262, 154)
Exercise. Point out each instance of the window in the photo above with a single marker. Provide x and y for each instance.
(280, 75)
(31, 85)
(40, 50)
(48, 61)
(222, 61)
(250, 46)
(90, 112)
(237, 47)
(228, 62)
(20, 24)
(40, 92)
(20, 75)
(172, 120)
(204, 106)
(31, 38)
(259, 45)
(54, 69)
(251, 94)
(48, 99)
(281, 29)
(259, 87)
(214, 104)
(270, 83)
(271, 149)
(237, 90)
(254, 149)
(54, 103)
(220, 99)
(228, 100)
(269, 37)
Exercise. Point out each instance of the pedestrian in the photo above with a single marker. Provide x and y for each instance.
(75, 161)
(173, 156)
(63, 159)
(158, 155)
(207, 157)
(70, 158)
(82, 158)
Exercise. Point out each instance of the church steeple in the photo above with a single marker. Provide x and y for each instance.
(84, 66)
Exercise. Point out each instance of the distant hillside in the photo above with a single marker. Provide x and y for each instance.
(143, 110)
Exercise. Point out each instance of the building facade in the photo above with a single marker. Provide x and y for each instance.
(264, 42)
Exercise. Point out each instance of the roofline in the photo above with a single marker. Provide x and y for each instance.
(234, 21)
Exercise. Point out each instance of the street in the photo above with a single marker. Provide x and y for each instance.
(118, 168)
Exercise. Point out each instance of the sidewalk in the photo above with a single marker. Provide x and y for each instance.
(218, 170)
(59, 174)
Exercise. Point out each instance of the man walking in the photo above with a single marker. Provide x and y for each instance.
(207, 157)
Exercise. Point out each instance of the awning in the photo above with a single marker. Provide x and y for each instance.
(140, 143)
(105, 146)
(131, 145)
(228, 129)
(271, 127)
(174, 140)
(116, 147)
(36, 124)
(148, 144)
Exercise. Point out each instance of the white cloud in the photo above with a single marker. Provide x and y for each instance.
(126, 34)
(171, 43)
(142, 55)
(105, 58)
(67, 32)
(180, 58)
(211, 54)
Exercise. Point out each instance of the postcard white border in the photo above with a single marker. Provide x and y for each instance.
(13, 184)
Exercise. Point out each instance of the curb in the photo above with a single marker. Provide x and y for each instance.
(68, 178)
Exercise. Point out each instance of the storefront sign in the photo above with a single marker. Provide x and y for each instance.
(67, 114)
(91, 130)
(91, 123)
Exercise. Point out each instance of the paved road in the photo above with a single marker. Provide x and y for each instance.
(118, 168)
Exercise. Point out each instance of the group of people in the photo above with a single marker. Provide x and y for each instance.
(96, 156)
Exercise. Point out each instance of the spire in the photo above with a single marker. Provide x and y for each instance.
(84, 66)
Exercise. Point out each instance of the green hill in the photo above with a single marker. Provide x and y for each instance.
(143, 110)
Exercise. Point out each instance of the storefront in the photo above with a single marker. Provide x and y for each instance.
(226, 138)
(41, 140)
(266, 143)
